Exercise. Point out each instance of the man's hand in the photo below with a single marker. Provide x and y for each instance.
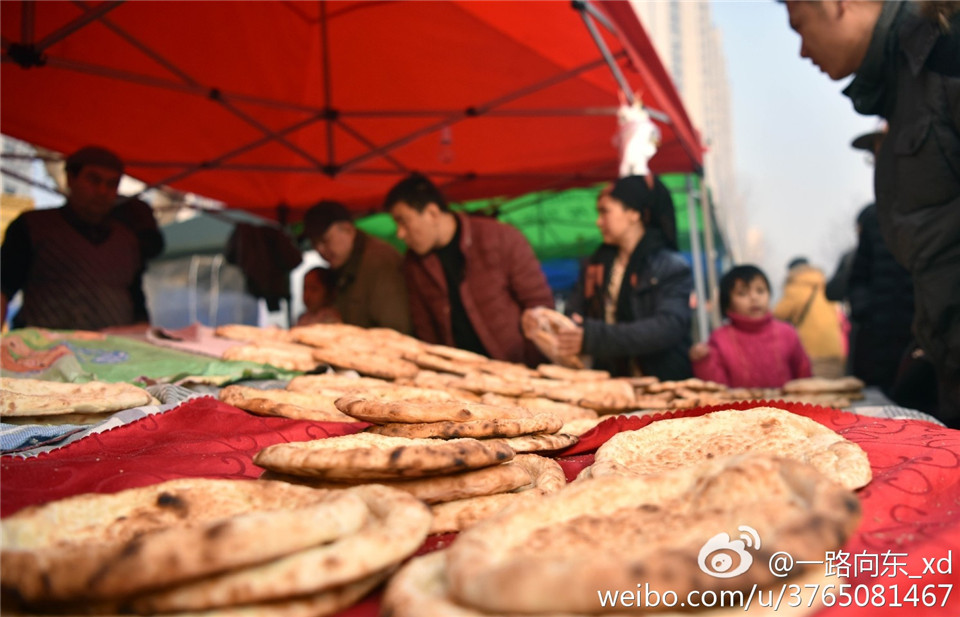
(699, 352)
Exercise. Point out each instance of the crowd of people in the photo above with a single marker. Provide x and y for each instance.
(891, 314)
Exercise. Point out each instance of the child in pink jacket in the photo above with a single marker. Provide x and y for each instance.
(753, 350)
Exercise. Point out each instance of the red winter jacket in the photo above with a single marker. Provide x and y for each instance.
(754, 353)
(502, 278)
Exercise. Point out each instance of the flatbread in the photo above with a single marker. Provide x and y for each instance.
(580, 426)
(433, 362)
(322, 335)
(817, 385)
(285, 404)
(566, 411)
(281, 355)
(544, 476)
(486, 481)
(378, 411)
(103, 546)
(420, 589)
(679, 442)
(542, 325)
(324, 603)
(367, 363)
(36, 397)
(607, 395)
(459, 355)
(563, 373)
(253, 334)
(697, 385)
(396, 528)
(498, 427)
(368, 456)
(481, 383)
(554, 553)
(542, 442)
(334, 382)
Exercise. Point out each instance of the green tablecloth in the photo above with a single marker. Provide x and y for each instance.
(79, 356)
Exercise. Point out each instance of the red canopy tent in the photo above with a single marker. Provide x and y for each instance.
(265, 103)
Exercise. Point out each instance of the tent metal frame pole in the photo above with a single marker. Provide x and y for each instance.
(27, 22)
(711, 255)
(215, 163)
(327, 85)
(89, 16)
(471, 112)
(32, 182)
(697, 254)
(585, 15)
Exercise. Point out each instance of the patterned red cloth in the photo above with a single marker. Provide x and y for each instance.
(911, 509)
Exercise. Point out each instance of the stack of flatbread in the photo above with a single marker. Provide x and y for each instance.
(34, 401)
(522, 429)
(679, 442)
(672, 531)
(446, 453)
(821, 391)
(239, 547)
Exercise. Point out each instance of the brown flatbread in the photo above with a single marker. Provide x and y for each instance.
(433, 362)
(368, 456)
(458, 355)
(544, 476)
(420, 588)
(552, 554)
(543, 442)
(607, 395)
(104, 546)
(285, 404)
(580, 426)
(253, 334)
(396, 528)
(542, 325)
(481, 383)
(378, 411)
(287, 356)
(566, 411)
(334, 382)
(498, 427)
(563, 373)
(35, 397)
(679, 442)
(320, 604)
(367, 363)
(486, 481)
(322, 335)
(821, 385)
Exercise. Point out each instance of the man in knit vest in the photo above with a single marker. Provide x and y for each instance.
(75, 264)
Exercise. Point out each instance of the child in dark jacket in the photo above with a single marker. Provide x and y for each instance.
(753, 350)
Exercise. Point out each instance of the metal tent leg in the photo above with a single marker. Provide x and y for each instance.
(703, 330)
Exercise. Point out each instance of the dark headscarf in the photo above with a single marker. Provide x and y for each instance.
(655, 204)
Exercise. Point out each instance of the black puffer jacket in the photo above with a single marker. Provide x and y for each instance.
(911, 77)
(880, 289)
(881, 307)
(653, 311)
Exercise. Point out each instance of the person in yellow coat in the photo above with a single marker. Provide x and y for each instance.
(804, 305)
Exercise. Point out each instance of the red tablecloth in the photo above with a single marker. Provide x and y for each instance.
(911, 508)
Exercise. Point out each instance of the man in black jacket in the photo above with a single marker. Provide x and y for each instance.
(906, 57)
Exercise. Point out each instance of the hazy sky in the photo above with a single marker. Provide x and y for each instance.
(801, 183)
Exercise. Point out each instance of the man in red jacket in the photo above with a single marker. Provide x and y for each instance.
(469, 278)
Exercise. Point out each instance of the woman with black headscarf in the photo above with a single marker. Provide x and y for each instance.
(633, 297)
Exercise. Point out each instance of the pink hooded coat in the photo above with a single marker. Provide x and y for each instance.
(754, 353)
